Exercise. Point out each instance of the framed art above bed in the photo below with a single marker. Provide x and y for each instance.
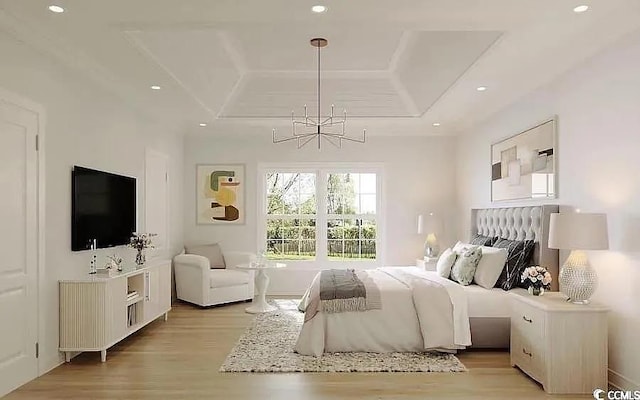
(524, 166)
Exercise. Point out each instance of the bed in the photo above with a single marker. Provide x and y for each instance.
(476, 317)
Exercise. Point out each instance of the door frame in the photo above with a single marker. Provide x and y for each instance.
(28, 104)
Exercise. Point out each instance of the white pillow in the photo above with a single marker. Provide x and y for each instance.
(445, 262)
(210, 251)
(459, 246)
(490, 266)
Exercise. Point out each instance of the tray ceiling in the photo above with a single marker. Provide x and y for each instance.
(397, 67)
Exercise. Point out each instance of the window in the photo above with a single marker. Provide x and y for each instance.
(351, 215)
(321, 214)
(291, 215)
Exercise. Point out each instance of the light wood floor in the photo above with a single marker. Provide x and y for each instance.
(179, 359)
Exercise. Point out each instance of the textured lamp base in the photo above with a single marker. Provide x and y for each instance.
(577, 279)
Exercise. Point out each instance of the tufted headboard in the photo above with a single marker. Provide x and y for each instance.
(521, 223)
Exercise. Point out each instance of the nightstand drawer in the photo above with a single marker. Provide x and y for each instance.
(528, 321)
(528, 355)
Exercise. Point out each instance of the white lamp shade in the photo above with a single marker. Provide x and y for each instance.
(578, 231)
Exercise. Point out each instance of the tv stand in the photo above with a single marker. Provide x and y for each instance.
(98, 311)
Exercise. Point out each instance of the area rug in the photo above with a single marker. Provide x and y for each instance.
(267, 346)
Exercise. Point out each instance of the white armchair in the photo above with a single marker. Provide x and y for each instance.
(197, 283)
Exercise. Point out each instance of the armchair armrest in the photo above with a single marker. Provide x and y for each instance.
(192, 260)
(192, 278)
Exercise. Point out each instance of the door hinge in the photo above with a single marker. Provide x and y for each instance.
(166, 177)
(37, 142)
(37, 349)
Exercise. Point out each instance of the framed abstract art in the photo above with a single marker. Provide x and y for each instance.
(524, 166)
(220, 194)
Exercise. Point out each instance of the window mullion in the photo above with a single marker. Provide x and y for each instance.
(321, 222)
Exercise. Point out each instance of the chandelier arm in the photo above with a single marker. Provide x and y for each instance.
(302, 142)
(298, 137)
(331, 140)
(342, 137)
(327, 121)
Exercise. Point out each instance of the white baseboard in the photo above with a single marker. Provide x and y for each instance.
(621, 382)
(50, 363)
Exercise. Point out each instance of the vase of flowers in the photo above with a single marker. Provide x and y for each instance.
(141, 242)
(537, 279)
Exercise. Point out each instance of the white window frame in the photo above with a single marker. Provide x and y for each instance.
(322, 170)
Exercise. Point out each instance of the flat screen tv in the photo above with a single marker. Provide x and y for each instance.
(103, 208)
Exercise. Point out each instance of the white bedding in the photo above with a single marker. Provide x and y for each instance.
(406, 321)
(485, 303)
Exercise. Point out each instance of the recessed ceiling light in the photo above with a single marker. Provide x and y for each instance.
(202, 124)
(581, 9)
(436, 124)
(56, 9)
(481, 88)
(319, 9)
(155, 87)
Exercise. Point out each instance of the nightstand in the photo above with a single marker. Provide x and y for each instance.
(559, 344)
(428, 263)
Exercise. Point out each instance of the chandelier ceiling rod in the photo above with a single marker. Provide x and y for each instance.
(320, 127)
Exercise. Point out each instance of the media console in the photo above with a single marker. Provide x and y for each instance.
(98, 311)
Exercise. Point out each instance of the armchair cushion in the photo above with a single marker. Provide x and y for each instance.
(229, 277)
(211, 251)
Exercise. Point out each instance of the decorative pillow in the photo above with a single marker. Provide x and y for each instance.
(210, 251)
(490, 266)
(480, 240)
(518, 256)
(459, 247)
(445, 262)
(465, 266)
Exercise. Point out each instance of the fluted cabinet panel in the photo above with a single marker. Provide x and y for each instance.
(94, 311)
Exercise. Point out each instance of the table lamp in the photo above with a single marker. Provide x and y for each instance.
(431, 242)
(578, 232)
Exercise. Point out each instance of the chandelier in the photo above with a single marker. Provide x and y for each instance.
(318, 127)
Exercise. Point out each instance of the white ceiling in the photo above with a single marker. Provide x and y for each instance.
(395, 66)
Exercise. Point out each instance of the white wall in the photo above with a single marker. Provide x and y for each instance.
(87, 126)
(598, 108)
(418, 177)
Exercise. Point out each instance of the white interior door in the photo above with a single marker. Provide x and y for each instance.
(156, 192)
(18, 245)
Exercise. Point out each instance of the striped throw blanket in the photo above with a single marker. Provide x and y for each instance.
(342, 290)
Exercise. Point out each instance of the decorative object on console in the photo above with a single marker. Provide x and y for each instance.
(519, 254)
(524, 166)
(93, 267)
(430, 226)
(320, 128)
(578, 232)
(537, 278)
(465, 266)
(220, 194)
(141, 242)
(114, 261)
